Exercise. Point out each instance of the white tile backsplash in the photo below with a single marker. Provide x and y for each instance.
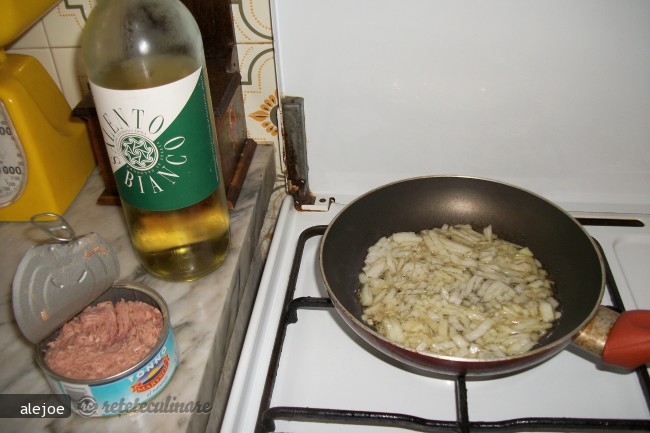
(34, 37)
(73, 79)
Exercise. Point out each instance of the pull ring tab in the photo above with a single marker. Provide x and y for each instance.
(54, 225)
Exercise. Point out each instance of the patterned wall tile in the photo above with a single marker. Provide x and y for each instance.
(257, 67)
(254, 36)
(63, 26)
(64, 23)
(252, 21)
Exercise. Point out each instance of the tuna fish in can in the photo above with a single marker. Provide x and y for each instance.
(137, 384)
(54, 283)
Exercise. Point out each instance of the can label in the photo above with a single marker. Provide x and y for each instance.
(125, 393)
(160, 142)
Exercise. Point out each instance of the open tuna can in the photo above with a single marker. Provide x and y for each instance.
(61, 288)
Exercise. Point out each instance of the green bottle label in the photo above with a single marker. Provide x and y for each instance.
(160, 143)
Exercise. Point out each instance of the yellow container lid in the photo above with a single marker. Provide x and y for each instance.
(18, 15)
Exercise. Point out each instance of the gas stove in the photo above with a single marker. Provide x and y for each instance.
(551, 96)
(303, 370)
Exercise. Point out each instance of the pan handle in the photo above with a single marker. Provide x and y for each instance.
(628, 342)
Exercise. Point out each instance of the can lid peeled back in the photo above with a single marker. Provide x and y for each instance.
(55, 282)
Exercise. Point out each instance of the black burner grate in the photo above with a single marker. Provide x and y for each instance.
(268, 415)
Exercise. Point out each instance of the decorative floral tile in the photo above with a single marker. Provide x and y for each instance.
(254, 36)
(257, 67)
(252, 21)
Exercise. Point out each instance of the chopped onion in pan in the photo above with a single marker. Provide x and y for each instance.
(457, 292)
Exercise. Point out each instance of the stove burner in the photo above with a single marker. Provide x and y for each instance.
(268, 415)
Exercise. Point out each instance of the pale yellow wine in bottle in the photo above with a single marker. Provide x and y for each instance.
(146, 69)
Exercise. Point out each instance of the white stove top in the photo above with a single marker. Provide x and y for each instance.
(324, 365)
(551, 96)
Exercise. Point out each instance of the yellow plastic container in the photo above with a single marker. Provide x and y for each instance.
(57, 152)
(57, 149)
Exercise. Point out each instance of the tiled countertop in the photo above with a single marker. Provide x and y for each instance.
(203, 313)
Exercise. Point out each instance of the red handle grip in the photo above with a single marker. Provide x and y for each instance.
(628, 342)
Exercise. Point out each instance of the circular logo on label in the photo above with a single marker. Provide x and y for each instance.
(138, 151)
(86, 406)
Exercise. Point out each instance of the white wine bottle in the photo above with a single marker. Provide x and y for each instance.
(146, 68)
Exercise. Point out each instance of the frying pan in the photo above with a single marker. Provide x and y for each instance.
(564, 248)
